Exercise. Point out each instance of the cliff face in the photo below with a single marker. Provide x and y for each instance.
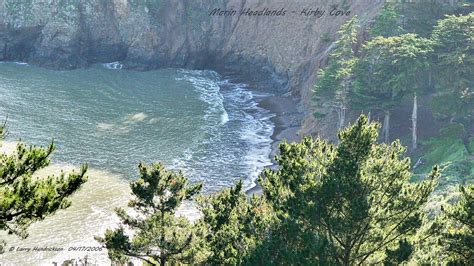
(151, 34)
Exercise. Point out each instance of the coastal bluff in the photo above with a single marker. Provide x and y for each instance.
(280, 42)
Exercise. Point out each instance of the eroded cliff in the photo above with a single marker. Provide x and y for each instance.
(148, 34)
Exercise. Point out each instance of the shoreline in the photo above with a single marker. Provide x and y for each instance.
(287, 123)
(286, 108)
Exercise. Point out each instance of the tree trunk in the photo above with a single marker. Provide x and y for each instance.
(430, 77)
(368, 116)
(414, 117)
(346, 260)
(342, 117)
(162, 239)
(386, 126)
(343, 98)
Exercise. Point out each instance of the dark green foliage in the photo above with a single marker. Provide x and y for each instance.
(457, 232)
(336, 79)
(390, 68)
(232, 225)
(400, 254)
(353, 200)
(159, 235)
(25, 199)
(326, 37)
(223, 215)
(420, 16)
(326, 79)
(398, 17)
(3, 130)
(387, 23)
(288, 242)
(453, 39)
(341, 59)
(448, 146)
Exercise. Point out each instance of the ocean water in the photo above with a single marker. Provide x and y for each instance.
(112, 119)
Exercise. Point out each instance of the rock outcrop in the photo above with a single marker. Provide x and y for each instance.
(180, 33)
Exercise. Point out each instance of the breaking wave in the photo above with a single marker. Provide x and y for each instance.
(242, 142)
(113, 65)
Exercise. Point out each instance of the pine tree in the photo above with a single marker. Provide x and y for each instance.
(288, 241)
(457, 234)
(24, 198)
(338, 75)
(356, 196)
(159, 236)
(232, 225)
(387, 22)
(420, 16)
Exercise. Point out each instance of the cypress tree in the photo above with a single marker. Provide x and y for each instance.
(337, 77)
(389, 69)
(453, 42)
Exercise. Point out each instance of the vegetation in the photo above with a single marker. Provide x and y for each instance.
(454, 57)
(356, 196)
(337, 77)
(457, 233)
(343, 204)
(416, 51)
(232, 225)
(354, 202)
(25, 198)
(388, 70)
(395, 63)
(160, 237)
(357, 201)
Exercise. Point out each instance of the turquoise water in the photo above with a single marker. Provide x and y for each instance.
(112, 119)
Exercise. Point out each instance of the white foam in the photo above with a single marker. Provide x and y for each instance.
(110, 128)
(256, 127)
(153, 121)
(92, 209)
(15, 62)
(258, 134)
(113, 65)
(206, 83)
(224, 117)
(105, 126)
(138, 117)
(257, 130)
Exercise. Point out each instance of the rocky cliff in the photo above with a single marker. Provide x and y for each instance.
(147, 34)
